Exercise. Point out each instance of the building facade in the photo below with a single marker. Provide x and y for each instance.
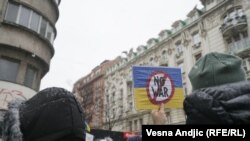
(89, 91)
(221, 26)
(28, 31)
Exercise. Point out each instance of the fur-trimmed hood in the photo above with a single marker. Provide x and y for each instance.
(225, 104)
(52, 114)
(11, 126)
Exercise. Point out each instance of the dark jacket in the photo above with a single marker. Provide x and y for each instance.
(51, 115)
(225, 104)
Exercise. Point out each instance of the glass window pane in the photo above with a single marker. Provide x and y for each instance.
(24, 17)
(43, 27)
(50, 34)
(179, 48)
(11, 14)
(30, 76)
(196, 38)
(8, 69)
(34, 21)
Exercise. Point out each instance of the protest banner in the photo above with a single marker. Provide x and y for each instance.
(156, 85)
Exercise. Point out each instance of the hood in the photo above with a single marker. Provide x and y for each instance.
(225, 104)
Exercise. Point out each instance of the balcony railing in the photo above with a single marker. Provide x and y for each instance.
(233, 24)
(239, 47)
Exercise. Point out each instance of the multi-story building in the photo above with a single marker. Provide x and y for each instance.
(221, 26)
(27, 33)
(89, 90)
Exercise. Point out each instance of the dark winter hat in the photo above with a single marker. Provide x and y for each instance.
(216, 69)
(52, 114)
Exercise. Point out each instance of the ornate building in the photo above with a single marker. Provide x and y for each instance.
(89, 90)
(28, 31)
(222, 26)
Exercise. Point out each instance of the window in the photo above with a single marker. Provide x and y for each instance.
(28, 18)
(43, 27)
(179, 48)
(107, 98)
(113, 97)
(30, 76)
(196, 38)
(130, 105)
(24, 17)
(8, 69)
(121, 93)
(130, 126)
(151, 59)
(136, 125)
(163, 52)
(34, 23)
(129, 86)
(12, 11)
(197, 56)
(225, 18)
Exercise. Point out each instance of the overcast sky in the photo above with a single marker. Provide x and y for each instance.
(91, 31)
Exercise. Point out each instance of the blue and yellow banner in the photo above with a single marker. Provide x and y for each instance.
(156, 85)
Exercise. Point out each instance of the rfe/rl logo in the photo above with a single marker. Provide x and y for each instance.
(160, 87)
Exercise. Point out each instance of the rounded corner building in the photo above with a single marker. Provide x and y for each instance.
(27, 33)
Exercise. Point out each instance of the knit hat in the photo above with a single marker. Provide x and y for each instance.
(216, 69)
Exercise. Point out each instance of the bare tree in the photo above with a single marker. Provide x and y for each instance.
(109, 115)
(91, 105)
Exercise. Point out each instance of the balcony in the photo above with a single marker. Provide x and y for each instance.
(196, 46)
(240, 48)
(163, 61)
(233, 25)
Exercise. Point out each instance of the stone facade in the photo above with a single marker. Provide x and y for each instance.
(222, 26)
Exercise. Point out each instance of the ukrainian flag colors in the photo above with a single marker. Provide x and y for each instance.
(155, 85)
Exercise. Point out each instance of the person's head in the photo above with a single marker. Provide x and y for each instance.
(220, 91)
(216, 69)
(52, 114)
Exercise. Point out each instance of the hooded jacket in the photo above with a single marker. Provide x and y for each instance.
(225, 104)
(51, 115)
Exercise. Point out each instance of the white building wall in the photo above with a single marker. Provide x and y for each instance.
(211, 37)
